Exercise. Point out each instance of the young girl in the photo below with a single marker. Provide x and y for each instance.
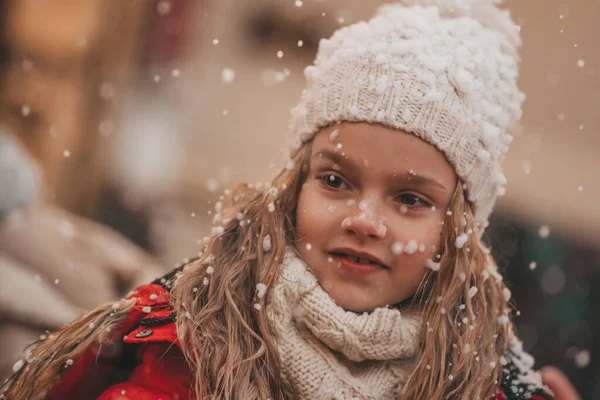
(359, 272)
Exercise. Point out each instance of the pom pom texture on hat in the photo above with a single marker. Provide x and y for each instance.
(445, 71)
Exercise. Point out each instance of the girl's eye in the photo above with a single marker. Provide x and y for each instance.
(412, 200)
(333, 181)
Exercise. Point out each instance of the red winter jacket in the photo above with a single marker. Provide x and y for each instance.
(151, 366)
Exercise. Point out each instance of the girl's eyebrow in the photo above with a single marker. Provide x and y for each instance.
(336, 158)
(420, 180)
(423, 180)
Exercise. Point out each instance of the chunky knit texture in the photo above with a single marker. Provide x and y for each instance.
(329, 353)
(443, 70)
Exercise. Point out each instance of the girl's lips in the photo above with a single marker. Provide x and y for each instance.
(353, 267)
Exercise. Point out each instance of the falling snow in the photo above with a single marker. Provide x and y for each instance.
(333, 136)
(261, 289)
(473, 291)
(397, 248)
(17, 366)
(461, 240)
(411, 247)
(544, 231)
(266, 244)
(227, 75)
(582, 358)
(212, 185)
(532, 265)
(433, 265)
(463, 81)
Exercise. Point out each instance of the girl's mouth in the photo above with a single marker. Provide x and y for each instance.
(356, 265)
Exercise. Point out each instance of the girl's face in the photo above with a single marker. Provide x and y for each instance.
(369, 215)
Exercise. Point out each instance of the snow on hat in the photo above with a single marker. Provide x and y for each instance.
(20, 177)
(444, 70)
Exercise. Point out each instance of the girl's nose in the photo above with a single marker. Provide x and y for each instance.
(366, 222)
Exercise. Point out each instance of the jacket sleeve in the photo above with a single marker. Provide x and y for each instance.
(161, 373)
(150, 319)
(519, 380)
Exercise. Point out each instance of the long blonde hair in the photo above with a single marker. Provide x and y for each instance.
(465, 311)
(224, 333)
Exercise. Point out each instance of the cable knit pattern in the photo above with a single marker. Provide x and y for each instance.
(329, 353)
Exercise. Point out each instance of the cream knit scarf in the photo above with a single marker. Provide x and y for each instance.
(329, 353)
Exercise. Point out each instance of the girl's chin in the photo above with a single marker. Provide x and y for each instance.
(359, 308)
(354, 300)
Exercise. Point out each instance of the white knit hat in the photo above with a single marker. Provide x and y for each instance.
(444, 70)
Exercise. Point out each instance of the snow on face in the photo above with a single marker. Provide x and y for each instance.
(433, 265)
(367, 217)
(383, 210)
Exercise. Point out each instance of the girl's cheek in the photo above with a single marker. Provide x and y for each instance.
(417, 238)
(342, 206)
(335, 205)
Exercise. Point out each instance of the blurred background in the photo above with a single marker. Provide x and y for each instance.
(121, 123)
